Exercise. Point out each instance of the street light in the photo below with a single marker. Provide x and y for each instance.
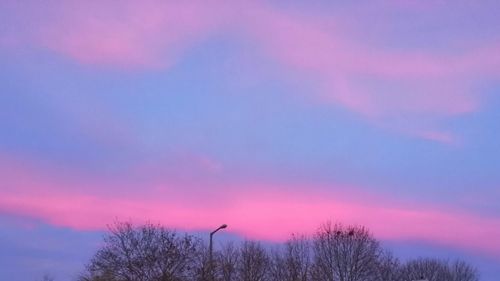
(210, 262)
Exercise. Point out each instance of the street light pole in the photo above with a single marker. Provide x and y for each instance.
(210, 250)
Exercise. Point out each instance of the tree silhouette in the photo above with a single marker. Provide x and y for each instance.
(145, 253)
(334, 253)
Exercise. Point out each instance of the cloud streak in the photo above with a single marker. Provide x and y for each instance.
(259, 210)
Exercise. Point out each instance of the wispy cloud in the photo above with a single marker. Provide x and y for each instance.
(370, 80)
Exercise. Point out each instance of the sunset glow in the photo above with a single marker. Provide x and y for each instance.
(270, 116)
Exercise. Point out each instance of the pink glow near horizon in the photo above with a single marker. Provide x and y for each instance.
(257, 211)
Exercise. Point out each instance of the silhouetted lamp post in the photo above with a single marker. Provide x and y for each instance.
(210, 261)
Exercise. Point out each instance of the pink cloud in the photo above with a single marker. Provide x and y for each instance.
(425, 82)
(384, 86)
(147, 34)
(255, 210)
(155, 34)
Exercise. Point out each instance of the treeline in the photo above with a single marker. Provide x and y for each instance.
(334, 253)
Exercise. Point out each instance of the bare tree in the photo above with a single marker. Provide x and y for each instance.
(227, 262)
(291, 262)
(297, 258)
(438, 270)
(425, 268)
(148, 252)
(388, 267)
(253, 263)
(335, 253)
(202, 264)
(277, 265)
(461, 271)
(344, 253)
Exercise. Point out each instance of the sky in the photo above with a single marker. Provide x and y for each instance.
(269, 116)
